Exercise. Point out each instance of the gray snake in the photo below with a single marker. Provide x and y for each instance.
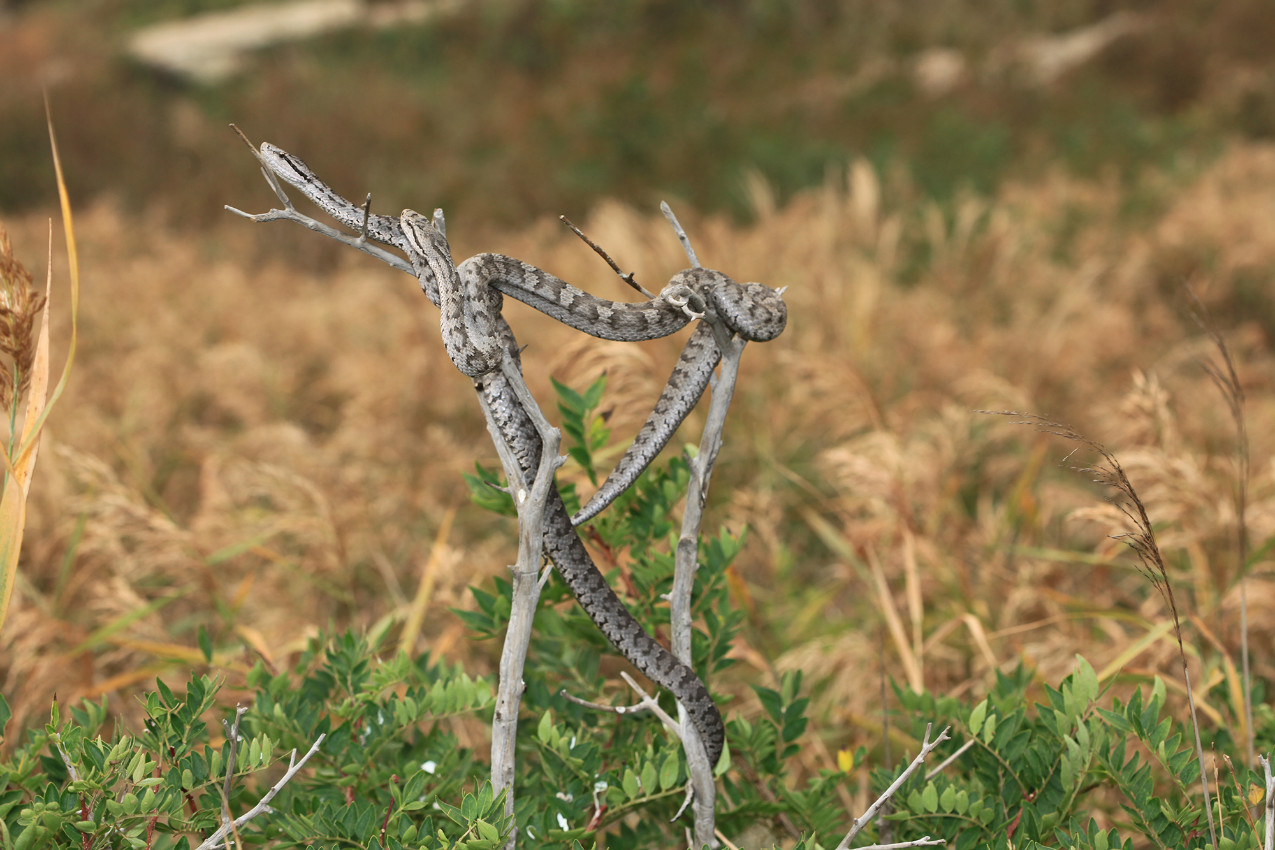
(477, 337)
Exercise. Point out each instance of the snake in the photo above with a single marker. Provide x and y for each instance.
(478, 339)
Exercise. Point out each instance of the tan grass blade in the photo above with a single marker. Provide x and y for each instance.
(838, 543)
(1230, 674)
(1160, 631)
(169, 651)
(979, 634)
(1210, 712)
(894, 622)
(106, 634)
(829, 536)
(912, 592)
(13, 500)
(425, 588)
(73, 271)
(257, 642)
(126, 680)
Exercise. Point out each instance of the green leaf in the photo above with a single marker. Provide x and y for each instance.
(139, 771)
(5, 714)
(205, 644)
(488, 491)
(723, 763)
(650, 778)
(569, 400)
(770, 701)
(486, 831)
(977, 716)
(1086, 680)
(930, 798)
(593, 395)
(669, 772)
(631, 785)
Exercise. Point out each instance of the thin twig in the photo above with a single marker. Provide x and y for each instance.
(218, 838)
(367, 211)
(359, 242)
(271, 178)
(941, 766)
(649, 703)
(597, 706)
(681, 234)
(627, 277)
(232, 738)
(927, 746)
(1269, 843)
(291, 213)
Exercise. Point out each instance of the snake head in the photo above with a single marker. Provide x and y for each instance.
(685, 297)
(423, 237)
(753, 310)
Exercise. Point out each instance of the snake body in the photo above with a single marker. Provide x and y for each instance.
(753, 311)
(477, 337)
(589, 586)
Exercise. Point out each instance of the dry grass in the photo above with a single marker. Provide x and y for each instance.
(263, 436)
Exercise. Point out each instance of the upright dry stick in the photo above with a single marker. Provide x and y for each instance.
(1269, 837)
(526, 579)
(686, 560)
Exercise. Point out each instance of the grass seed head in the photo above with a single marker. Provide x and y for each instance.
(19, 307)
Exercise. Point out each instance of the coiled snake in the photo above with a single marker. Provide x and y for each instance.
(477, 337)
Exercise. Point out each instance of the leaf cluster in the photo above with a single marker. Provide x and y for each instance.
(1063, 771)
(389, 774)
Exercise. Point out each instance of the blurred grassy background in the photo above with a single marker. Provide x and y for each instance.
(510, 110)
(263, 436)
